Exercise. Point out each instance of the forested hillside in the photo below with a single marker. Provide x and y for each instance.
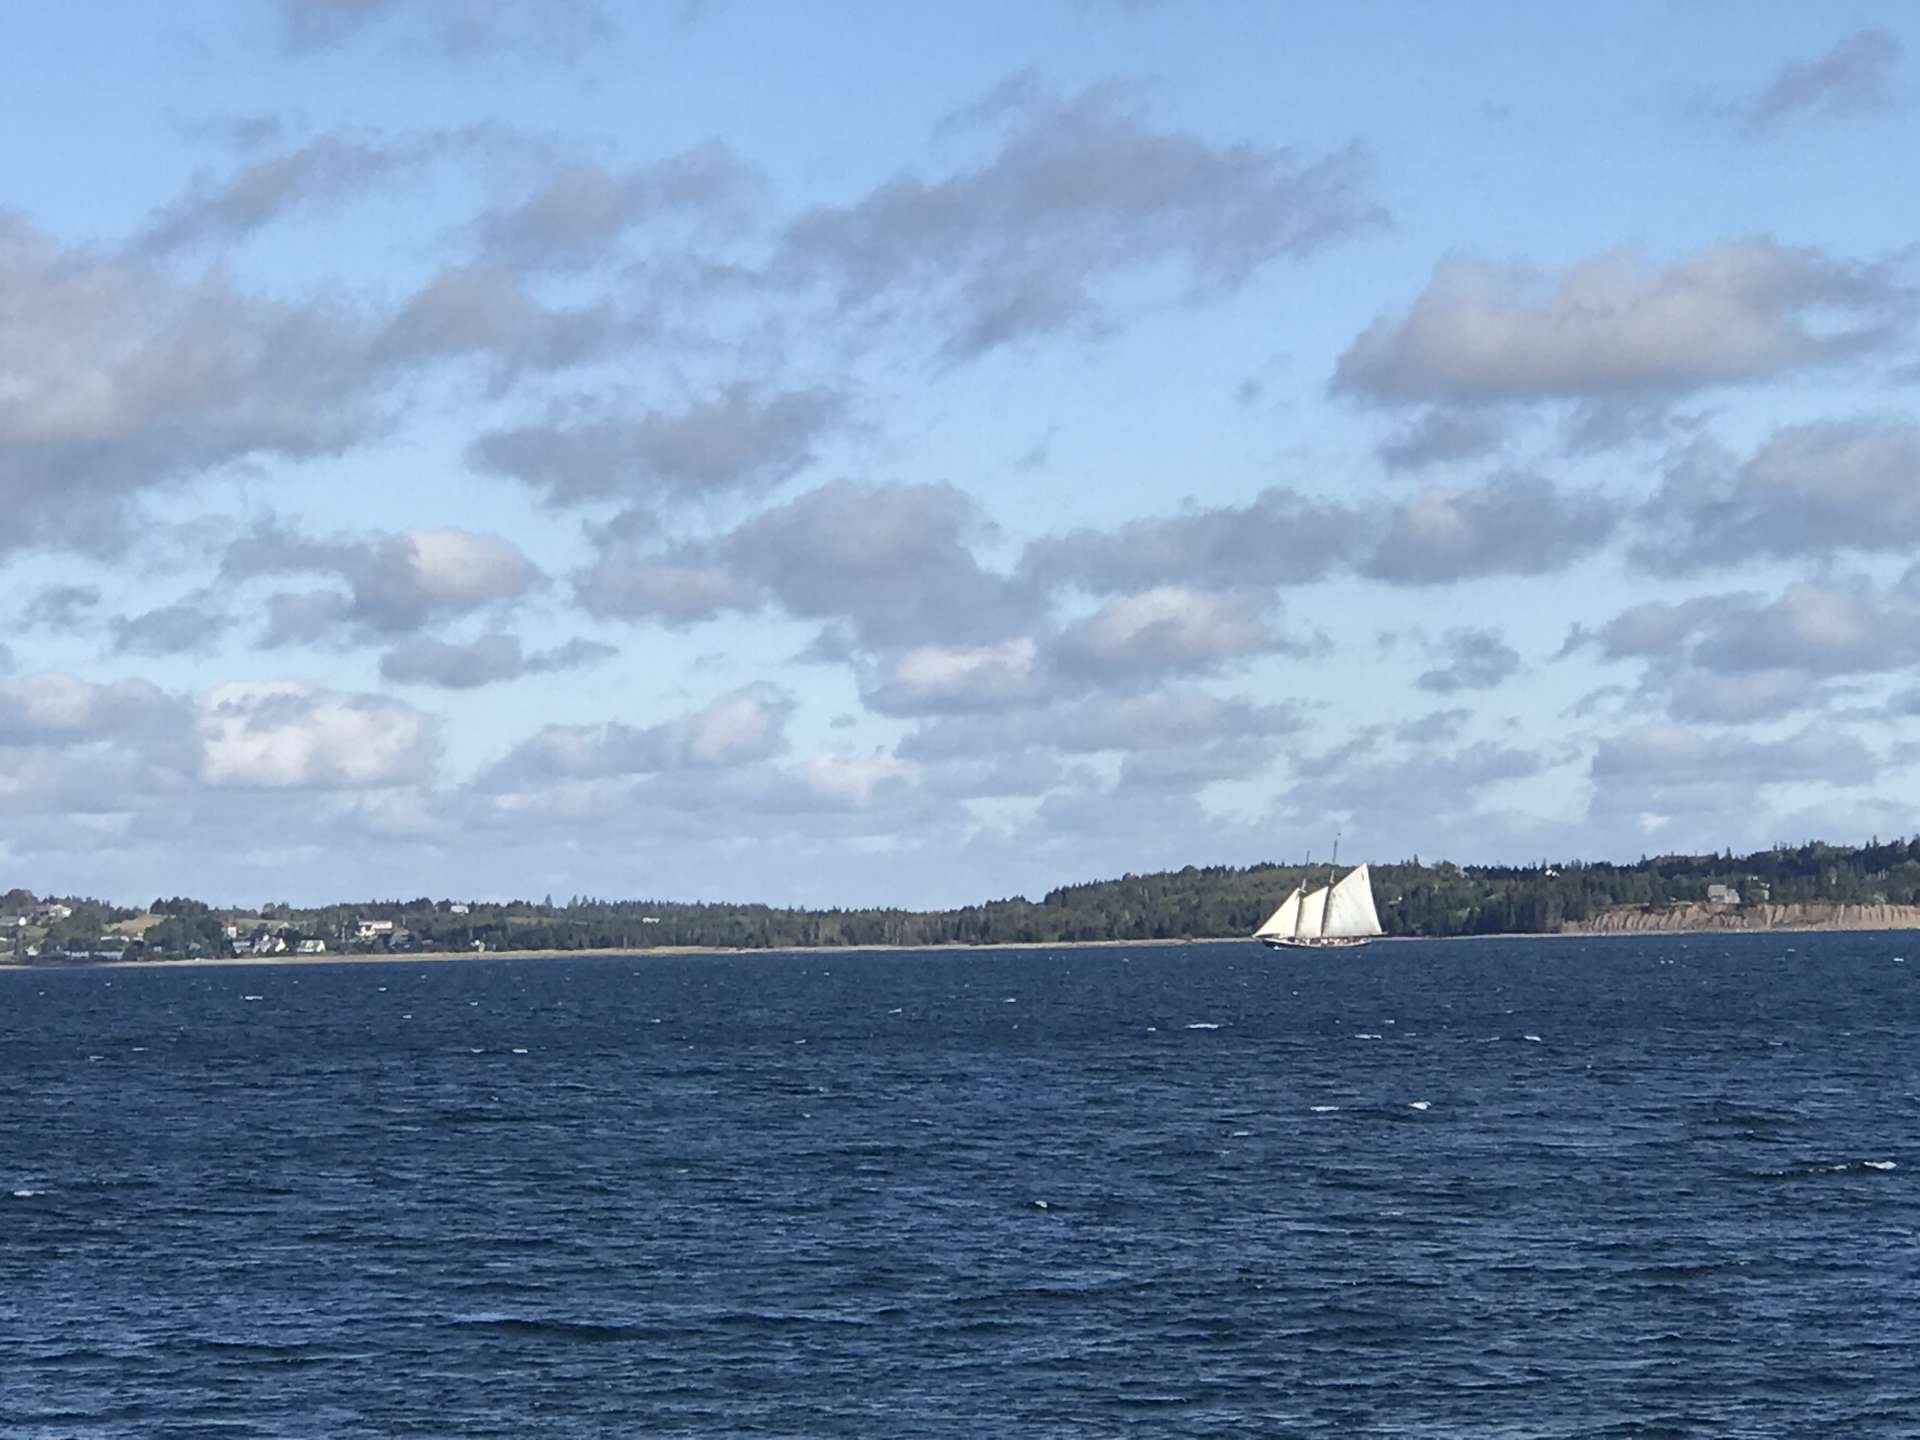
(1413, 899)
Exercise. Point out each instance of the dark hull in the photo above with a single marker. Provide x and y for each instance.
(1336, 942)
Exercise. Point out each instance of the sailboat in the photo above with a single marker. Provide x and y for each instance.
(1337, 915)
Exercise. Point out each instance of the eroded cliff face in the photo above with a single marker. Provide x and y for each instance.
(1630, 919)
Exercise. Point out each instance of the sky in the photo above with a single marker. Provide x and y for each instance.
(871, 454)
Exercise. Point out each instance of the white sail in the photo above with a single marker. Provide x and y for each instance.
(1349, 909)
(1313, 907)
(1283, 920)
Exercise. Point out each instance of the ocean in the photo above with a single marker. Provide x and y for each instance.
(1657, 1186)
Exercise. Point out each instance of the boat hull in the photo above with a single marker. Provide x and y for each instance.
(1324, 942)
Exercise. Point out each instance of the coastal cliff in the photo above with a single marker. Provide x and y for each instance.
(1634, 919)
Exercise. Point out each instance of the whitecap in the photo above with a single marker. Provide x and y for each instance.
(92, 1058)
(519, 1049)
(1152, 1029)
(1417, 1104)
(1238, 1134)
(1534, 1038)
(1365, 1035)
(253, 997)
(896, 1010)
(24, 1194)
(1880, 1164)
(1041, 1205)
(1203, 1025)
(1323, 1109)
(1010, 1000)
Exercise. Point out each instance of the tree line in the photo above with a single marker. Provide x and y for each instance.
(1413, 898)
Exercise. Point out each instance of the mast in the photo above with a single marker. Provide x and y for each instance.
(1301, 891)
(1333, 866)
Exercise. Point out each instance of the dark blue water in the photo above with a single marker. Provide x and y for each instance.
(1660, 1187)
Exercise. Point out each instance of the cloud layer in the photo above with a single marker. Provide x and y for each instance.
(617, 461)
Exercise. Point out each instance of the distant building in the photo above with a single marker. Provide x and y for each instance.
(1759, 892)
(1722, 895)
(311, 947)
(13, 922)
(369, 929)
(458, 907)
(53, 912)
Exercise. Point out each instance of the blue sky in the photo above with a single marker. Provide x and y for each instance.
(877, 454)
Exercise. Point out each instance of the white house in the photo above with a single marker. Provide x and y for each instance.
(1722, 895)
(369, 929)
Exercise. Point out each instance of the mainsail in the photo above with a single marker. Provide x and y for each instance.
(1349, 907)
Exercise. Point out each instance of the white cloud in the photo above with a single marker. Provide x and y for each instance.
(1621, 325)
(1168, 628)
(1855, 77)
(934, 679)
(288, 735)
(116, 378)
(736, 729)
(855, 779)
(398, 582)
(1079, 198)
(1808, 490)
(1514, 525)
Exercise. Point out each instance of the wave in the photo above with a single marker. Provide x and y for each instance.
(260, 1350)
(1813, 1171)
(1204, 1025)
(577, 1332)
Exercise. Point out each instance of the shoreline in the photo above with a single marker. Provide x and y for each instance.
(442, 957)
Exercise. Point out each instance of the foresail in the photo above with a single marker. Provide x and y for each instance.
(1282, 921)
(1350, 908)
(1312, 906)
